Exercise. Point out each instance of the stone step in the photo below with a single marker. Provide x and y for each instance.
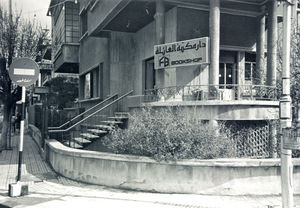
(73, 144)
(118, 118)
(97, 131)
(89, 136)
(81, 140)
(103, 127)
(125, 114)
(112, 122)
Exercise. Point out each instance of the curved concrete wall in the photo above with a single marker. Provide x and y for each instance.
(222, 176)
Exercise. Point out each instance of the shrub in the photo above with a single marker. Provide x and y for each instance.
(169, 134)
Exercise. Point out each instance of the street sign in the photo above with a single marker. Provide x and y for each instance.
(24, 72)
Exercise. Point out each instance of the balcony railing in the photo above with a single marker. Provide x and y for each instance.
(212, 92)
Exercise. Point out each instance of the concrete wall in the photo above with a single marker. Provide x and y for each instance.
(145, 41)
(94, 51)
(35, 133)
(122, 49)
(222, 176)
(129, 51)
(222, 109)
(235, 30)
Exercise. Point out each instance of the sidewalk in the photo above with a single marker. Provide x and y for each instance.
(47, 189)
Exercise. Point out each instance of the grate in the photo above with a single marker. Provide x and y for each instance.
(251, 137)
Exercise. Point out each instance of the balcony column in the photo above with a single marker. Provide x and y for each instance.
(160, 38)
(272, 43)
(260, 50)
(214, 33)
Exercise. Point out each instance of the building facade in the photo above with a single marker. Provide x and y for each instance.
(110, 44)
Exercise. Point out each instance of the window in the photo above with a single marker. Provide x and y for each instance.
(226, 75)
(83, 22)
(250, 66)
(87, 86)
(149, 74)
(92, 83)
(72, 22)
(227, 69)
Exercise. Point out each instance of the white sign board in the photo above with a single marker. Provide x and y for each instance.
(24, 71)
(182, 53)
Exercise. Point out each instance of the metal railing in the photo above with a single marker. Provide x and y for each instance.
(81, 115)
(65, 135)
(212, 92)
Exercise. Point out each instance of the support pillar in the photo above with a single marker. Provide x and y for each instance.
(214, 33)
(160, 38)
(272, 43)
(260, 50)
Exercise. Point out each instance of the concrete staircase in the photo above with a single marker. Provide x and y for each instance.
(92, 133)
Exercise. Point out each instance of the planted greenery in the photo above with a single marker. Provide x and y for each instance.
(168, 134)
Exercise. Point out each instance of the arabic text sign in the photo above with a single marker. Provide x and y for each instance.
(24, 71)
(182, 53)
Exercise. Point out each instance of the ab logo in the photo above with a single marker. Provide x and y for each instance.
(164, 61)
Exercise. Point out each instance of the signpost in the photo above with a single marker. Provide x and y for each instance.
(23, 72)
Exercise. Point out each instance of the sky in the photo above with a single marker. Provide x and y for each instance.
(31, 9)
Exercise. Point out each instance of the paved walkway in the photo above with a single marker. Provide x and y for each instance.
(46, 189)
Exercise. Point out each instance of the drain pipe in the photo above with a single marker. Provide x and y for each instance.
(285, 110)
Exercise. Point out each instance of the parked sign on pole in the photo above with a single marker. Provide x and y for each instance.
(23, 72)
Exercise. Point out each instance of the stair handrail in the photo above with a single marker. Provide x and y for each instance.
(79, 122)
(81, 114)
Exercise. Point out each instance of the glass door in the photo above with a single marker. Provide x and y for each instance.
(226, 75)
(149, 74)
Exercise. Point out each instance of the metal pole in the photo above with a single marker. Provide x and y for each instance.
(285, 111)
(10, 11)
(9, 143)
(21, 134)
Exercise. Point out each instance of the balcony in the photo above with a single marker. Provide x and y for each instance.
(218, 102)
(212, 92)
(66, 59)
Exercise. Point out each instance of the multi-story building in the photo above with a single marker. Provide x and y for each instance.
(153, 48)
(65, 36)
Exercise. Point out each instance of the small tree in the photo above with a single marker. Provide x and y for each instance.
(18, 38)
(63, 91)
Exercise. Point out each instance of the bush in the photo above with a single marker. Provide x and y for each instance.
(169, 134)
